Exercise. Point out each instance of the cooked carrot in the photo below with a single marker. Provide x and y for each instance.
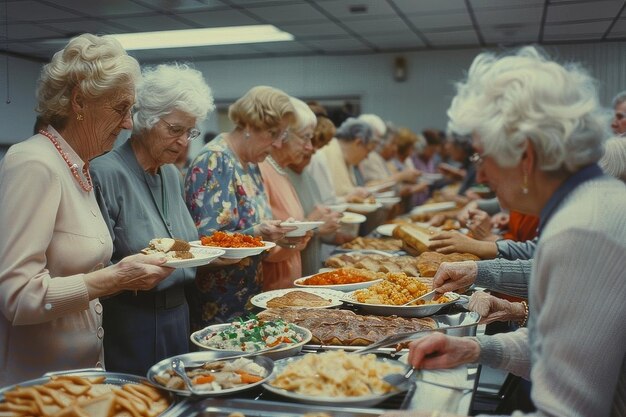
(203, 379)
(247, 378)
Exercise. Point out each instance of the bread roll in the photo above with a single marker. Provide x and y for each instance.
(414, 237)
(166, 244)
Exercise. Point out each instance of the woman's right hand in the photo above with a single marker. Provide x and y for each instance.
(272, 230)
(454, 275)
(438, 351)
(133, 273)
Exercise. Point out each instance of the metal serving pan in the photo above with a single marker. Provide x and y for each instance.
(113, 378)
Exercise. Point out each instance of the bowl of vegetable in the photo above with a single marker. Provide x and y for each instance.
(245, 335)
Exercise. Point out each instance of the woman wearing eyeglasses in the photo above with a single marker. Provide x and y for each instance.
(139, 191)
(224, 192)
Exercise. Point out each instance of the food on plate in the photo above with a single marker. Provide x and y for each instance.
(298, 299)
(355, 199)
(72, 395)
(346, 328)
(337, 374)
(375, 262)
(415, 238)
(373, 243)
(341, 276)
(428, 262)
(232, 240)
(252, 335)
(426, 217)
(396, 289)
(451, 224)
(215, 376)
(171, 248)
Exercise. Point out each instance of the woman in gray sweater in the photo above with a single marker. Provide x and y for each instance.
(538, 137)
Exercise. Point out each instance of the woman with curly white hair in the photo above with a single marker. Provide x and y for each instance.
(54, 241)
(140, 196)
(538, 137)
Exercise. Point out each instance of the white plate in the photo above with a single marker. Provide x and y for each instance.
(388, 201)
(352, 218)
(237, 253)
(361, 401)
(434, 207)
(302, 227)
(379, 187)
(401, 311)
(260, 300)
(201, 256)
(364, 207)
(430, 178)
(386, 229)
(339, 208)
(199, 358)
(338, 287)
(385, 194)
(289, 350)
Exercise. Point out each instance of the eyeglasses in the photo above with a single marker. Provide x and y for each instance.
(176, 130)
(282, 136)
(476, 159)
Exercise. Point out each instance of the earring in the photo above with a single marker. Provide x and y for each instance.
(246, 135)
(80, 117)
(525, 184)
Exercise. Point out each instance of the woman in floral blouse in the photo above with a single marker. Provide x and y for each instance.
(224, 192)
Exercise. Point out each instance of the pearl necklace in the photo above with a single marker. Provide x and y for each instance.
(73, 167)
(277, 167)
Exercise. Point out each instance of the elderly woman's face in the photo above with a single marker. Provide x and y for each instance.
(106, 116)
(261, 141)
(505, 182)
(298, 146)
(618, 124)
(167, 139)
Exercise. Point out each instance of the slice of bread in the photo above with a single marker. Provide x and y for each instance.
(166, 244)
(415, 238)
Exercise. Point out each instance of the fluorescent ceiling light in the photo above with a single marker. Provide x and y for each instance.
(202, 37)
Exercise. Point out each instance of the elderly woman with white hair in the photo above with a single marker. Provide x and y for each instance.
(538, 135)
(55, 244)
(140, 196)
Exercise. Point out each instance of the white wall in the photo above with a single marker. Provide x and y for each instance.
(417, 103)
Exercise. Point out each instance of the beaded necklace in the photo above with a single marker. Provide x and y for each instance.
(73, 167)
(277, 167)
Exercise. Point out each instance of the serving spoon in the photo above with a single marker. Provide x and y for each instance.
(179, 367)
(426, 297)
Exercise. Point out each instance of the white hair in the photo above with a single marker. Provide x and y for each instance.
(305, 118)
(614, 160)
(166, 88)
(376, 123)
(507, 100)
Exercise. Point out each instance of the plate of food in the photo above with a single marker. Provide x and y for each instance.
(180, 253)
(211, 376)
(298, 298)
(341, 279)
(302, 227)
(434, 207)
(234, 245)
(387, 298)
(379, 187)
(253, 335)
(82, 392)
(352, 218)
(339, 208)
(364, 207)
(335, 378)
(388, 201)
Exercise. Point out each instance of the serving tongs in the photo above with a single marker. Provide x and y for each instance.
(197, 365)
(429, 296)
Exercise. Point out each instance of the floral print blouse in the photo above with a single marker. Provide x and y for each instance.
(221, 195)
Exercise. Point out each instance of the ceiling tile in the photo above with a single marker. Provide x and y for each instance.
(215, 18)
(28, 31)
(284, 47)
(337, 45)
(438, 21)
(512, 34)
(188, 5)
(102, 8)
(394, 42)
(504, 4)
(74, 27)
(313, 29)
(431, 6)
(576, 31)
(378, 26)
(297, 12)
(618, 30)
(28, 10)
(457, 38)
(341, 8)
(151, 23)
(583, 11)
(514, 16)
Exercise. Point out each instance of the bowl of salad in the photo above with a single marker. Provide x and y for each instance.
(251, 334)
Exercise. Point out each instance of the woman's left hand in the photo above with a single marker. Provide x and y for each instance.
(272, 230)
(326, 215)
(492, 308)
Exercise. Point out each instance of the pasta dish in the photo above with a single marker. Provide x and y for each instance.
(232, 240)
